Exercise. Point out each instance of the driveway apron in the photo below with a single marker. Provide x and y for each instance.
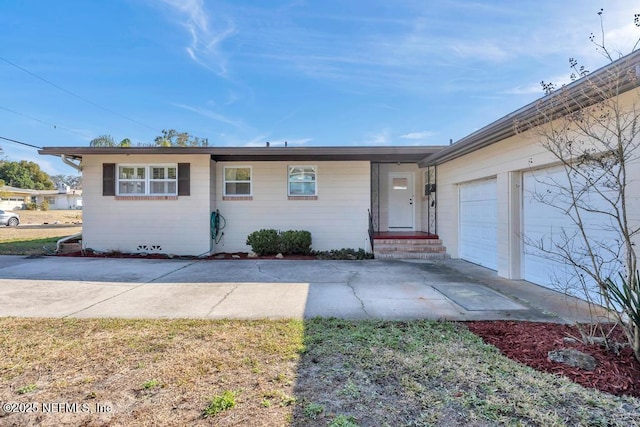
(273, 289)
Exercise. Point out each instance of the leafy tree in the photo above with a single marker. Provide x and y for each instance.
(103, 141)
(594, 134)
(24, 174)
(125, 143)
(173, 138)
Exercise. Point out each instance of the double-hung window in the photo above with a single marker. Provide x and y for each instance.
(237, 181)
(141, 180)
(302, 181)
(132, 180)
(163, 180)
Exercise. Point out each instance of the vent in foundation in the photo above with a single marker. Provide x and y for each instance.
(149, 248)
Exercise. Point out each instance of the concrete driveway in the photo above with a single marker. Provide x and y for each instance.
(249, 289)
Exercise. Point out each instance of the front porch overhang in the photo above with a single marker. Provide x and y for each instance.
(228, 154)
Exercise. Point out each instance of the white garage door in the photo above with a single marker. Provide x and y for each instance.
(478, 223)
(546, 226)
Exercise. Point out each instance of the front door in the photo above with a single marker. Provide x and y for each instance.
(401, 197)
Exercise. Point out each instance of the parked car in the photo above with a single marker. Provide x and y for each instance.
(9, 218)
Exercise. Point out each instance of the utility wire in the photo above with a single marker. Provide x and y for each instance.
(55, 126)
(68, 92)
(20, 142)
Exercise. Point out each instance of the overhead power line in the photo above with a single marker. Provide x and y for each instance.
(20, 142)
(55, 126)
(68, 92)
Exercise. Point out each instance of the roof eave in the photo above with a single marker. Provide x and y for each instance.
(393, 154)
(505, 127)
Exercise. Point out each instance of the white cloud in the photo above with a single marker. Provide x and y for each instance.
(621, 40)
(486, 50)
(418, 135)
(258, 141)
(379, 138)
(205, 40)
(211, 114)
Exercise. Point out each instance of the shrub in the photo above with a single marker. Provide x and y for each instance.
(295, 242)
(31, 206)
(271, 242)
(44, 205)
(264, 242)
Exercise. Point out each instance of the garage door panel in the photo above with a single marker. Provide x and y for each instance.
(478, 223)
(546, 226)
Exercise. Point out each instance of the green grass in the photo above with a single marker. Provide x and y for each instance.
(220, 403)
(41, 246)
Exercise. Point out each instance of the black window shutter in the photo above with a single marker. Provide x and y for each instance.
(108, 179)
(184, 179)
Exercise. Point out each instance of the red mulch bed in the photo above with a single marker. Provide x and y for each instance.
(529, 343)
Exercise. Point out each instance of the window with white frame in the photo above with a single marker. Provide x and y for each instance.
(163, 180)
(237, 181)
(140, 180)
(302, 181)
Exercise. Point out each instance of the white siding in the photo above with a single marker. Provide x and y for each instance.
(507, 160)
(179, 227)
(337, 219)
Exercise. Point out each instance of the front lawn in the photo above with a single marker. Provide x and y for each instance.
(312, 373)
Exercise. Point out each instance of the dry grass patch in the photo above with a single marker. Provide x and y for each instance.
(162, 372)
(320, 372)
(39, 231)
(56, 216)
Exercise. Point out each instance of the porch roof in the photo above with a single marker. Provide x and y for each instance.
(388, 154)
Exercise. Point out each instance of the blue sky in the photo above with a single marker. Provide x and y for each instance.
(313, 73)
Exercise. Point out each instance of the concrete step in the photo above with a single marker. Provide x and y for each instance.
(411, 255)
(409, 248)
(426, 242)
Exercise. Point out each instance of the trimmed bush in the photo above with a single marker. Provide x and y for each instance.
(264, 242)
(295, 242)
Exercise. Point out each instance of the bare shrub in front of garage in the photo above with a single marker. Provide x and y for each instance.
(592, 129)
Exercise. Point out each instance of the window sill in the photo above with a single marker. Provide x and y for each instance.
(237, 198)
(303, 197)
(146, 197)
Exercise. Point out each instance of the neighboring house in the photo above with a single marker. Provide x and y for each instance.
(160, 199)
(62, 198)
(13, 198)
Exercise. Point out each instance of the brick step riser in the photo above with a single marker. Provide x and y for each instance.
(428, 242)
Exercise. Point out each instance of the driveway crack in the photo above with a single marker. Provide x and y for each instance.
(270, 276)
(222, 300)
(355, 294)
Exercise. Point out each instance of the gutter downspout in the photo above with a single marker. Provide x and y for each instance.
(64, 239)
(77, 167)
(67, 161)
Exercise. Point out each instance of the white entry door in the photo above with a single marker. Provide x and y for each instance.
(401, 201)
